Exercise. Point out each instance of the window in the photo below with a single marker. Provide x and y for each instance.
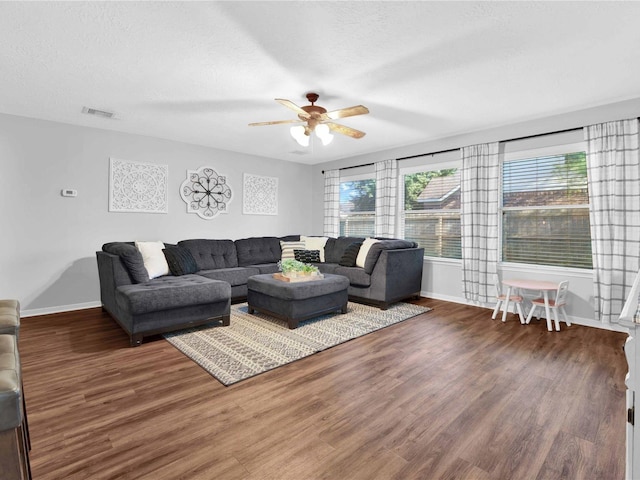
(357, 207)
(545, 210)
(431, 211)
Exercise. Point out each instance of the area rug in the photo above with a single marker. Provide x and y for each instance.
(256, 343)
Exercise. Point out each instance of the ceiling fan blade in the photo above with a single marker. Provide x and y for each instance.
(347, 112)
(350, 132)
(292, 106)
(276, 122)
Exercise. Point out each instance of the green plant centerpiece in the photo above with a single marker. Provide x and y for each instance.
(293, 268)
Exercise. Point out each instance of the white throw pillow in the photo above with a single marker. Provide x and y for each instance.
(315, 243)
(364, 250)
(153, 258)
(289, 247)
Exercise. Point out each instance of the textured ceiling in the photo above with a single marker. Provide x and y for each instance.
(199, 72)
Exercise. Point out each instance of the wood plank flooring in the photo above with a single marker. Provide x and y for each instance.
(447, 394)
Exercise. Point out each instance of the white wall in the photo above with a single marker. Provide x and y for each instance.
(442, 279)
(48, 242)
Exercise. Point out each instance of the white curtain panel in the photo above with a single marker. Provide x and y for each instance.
(613, 172)
(386, 187)
(479, 220)
(332, 203)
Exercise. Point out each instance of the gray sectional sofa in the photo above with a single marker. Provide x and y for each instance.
(142, 307)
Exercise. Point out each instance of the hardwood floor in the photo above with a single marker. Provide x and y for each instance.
(447, 394)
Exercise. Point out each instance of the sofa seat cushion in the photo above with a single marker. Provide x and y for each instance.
(326, 267)
(252, 251)
(233, 276)
(356, 275)
(170, 292)
(212, 254)
(267, 267)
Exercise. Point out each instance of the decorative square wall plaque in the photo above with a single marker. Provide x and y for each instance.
(260, 195)
(137, 187)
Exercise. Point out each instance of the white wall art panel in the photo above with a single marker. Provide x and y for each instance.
(205, 192)
(137, 187)
(260, 196)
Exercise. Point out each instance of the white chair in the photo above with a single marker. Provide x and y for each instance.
(556, 305)
(503, 300)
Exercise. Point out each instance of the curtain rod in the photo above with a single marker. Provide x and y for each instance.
(526, 137)
(501, 141)
(354, 166)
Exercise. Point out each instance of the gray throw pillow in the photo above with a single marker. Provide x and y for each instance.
(350, 254)
(180, 261)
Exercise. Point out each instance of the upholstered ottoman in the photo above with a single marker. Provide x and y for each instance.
(297, 301)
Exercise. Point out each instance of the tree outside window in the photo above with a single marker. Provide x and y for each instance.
(357, 207)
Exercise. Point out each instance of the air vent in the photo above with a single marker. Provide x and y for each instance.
(97, 113)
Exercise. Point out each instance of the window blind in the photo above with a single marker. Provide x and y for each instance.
(545, 211)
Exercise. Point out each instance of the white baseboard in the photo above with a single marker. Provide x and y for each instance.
(58, 309)
(587, 322)
(447, 298)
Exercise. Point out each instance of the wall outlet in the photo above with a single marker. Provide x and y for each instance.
(69, 192)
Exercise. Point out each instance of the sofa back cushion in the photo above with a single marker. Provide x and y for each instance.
(335, 248)
(131, 257)
(212, 254)
(376, 249)
(290, 238)
(258, 250)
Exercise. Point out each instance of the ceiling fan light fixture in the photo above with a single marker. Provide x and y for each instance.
(299, 133)
(322, 132)
(317, 118)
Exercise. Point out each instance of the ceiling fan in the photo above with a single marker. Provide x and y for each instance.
(316, 118)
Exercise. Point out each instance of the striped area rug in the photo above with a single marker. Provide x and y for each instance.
(256, 343)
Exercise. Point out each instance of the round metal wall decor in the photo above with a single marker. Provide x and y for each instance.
(205, 192)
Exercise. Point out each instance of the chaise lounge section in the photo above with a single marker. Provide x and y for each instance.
(160, 305)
